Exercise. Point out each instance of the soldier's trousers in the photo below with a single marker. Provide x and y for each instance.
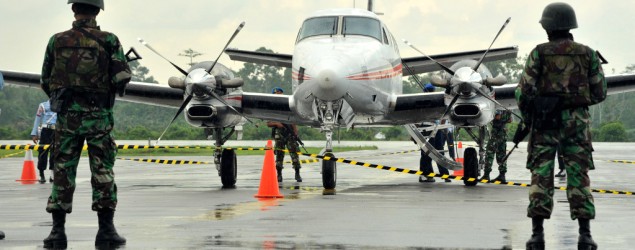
(293, 147)
(46, 137)
(496, 146)
(71, 131)
(575, 139)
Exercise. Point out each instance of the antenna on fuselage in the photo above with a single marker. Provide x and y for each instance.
(370, 8)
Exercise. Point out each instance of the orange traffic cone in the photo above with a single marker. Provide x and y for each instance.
(459, 159)
(28, 169)
(269, 179)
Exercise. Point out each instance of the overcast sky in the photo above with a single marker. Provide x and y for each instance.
(434, 26)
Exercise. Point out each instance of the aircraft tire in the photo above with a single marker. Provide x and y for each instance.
(329, 173)
(228, 168)
(470, 166)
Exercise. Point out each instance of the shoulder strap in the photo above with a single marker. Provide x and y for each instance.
(94, 37)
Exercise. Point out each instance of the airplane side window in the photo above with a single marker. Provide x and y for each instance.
(364, 26)
(318, 26)
(394, 43)
(386, 41)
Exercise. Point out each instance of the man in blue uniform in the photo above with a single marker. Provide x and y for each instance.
(42, 133)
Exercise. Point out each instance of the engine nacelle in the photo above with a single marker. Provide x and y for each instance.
(472, 112)
(211, 113)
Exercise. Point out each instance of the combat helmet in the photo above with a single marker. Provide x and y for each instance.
(96, 3)
(558, 16)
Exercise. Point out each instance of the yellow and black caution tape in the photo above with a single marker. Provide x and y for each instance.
(303, 188)
(25, 147)
(305, 161)
(328, 158)
(160, 161)
(623, 161)
(9, 155)
(400, 152)
(451, 177)
(45, 146)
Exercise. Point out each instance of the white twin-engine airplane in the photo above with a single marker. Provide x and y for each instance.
(347, 72)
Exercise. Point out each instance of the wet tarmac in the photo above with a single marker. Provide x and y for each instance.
(184, 207)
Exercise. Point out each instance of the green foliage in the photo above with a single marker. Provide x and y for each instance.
(511, 68)
(612, 132)
(139, 73)
(19, 105)
(262, 78)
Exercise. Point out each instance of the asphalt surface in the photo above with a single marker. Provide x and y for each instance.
(184, 207)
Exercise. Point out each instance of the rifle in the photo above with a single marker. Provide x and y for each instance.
(521, 132)
(294, 136)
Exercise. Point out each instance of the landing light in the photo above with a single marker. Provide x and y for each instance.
(328, 116)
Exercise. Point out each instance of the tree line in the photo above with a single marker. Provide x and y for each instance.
(134, 121)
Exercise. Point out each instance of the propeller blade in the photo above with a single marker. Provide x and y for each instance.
(228, 42)
(447, 109)
(430, 58)
(490, 45)
(156, 52)
(183, 105)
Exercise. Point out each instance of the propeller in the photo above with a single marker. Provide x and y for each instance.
(200, 86)
(489, 81)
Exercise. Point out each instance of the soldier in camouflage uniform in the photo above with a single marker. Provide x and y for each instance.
(83, 69)
(560, 81)
(285, 136)
(497, 145)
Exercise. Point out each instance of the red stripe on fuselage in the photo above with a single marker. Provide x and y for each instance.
(235, 98)
(380, 74)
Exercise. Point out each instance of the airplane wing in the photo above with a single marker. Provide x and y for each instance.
(430, 106)
(272, 59)
(421, 64)
(139, 92)
(415, 65)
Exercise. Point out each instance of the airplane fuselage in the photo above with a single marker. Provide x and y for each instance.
(345, 60)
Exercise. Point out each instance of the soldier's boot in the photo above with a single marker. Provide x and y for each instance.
(585, 242)
(562, 173)
(298, 178)
(107, 236)
(57, 237)
(279, 171)
(537, 240)
(485, 176)
(42, 178)
(500, 177)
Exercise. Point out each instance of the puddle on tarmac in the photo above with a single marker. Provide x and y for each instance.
(230, 211)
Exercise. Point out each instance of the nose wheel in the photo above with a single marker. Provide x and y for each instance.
(228, 169)
(470, 166)
(329, 172)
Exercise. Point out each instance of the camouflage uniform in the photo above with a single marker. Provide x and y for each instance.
(570, 72)
(285, 139)
(81, 73)
(497, 144)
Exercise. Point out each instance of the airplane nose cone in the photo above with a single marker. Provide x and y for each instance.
(330, 84)
(326, 79)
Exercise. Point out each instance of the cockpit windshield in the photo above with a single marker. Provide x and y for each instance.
(318, 26)
(364, 26)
